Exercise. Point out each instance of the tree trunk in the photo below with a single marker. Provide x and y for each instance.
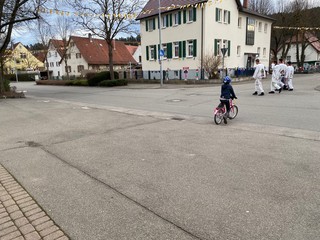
(110, 49)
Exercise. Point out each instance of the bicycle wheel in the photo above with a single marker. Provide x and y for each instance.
(233, 112)
(218, 117)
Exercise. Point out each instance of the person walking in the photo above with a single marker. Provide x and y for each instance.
(283, 72)
(289, 76)
(275, 83)
(258, 75)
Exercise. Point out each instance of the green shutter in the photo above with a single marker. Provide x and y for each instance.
(179, 18)
(229, 15)
(154, 23)
(194, 14)
(184, 16)
(147, 52)
(170, 20)
(216, 47)
(184, 52)
(195, 47)
(147, 26)
(217, 14)
(159, 21)
(229, 49)
(180, 49)
(167, 20)
(169, 50)
(155, 51)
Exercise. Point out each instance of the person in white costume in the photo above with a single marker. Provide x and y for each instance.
(276, 84)
(289, 76)
(258, 75)
(283, 72)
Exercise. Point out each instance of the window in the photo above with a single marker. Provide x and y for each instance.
(259, 51)
(190, 15)
(68, 56)
(226, 16)
(176, 74)
(176, 49)
(264, 52)
(23, 55)
(260, 27)
(78, 55)
(265, 27)
(55, 54)
(238, 51)
(164, 22)
(57, 64)
(150, 24)
(152, 53)
(217, 47)
(176, 19)
(49, 54)
(288, 58)
(68, 69)
(190, 48)
(218, 15)
(80, 68)
(250, 31)
(239, 22)
(164, 48)
(51, 64)
(72, 44)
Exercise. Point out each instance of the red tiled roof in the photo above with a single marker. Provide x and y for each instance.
(311, 38)
(131, 49)
(41, 55)
(58, 45)
(152, 6)
(95, 52)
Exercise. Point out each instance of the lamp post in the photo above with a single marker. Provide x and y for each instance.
(223, 51)
(160, 46)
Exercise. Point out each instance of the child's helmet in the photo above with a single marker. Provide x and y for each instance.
(227, 79)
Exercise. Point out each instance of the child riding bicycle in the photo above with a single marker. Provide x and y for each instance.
(227, 93)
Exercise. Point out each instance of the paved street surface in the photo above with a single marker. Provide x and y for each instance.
(144, 162)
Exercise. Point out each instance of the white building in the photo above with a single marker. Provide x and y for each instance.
(312, 50)
(190, 29)
(54, 56)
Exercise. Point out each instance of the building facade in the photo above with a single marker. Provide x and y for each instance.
(191, 30)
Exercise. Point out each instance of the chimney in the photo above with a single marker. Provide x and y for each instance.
(245, 3)
(90, 37)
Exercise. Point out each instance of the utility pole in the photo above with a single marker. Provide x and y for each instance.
(160, 47)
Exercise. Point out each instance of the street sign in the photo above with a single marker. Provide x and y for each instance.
(224, 51)
(161, 52)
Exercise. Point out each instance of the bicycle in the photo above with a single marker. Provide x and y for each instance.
(220, 111)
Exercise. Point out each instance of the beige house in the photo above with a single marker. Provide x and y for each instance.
(21, 59)
(192, 29)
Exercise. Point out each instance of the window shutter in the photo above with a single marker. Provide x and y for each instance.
(159, 50)
(195, 47)
(159, 21)
(180, 49)
(147, 52)
(155, 51)
(147, 26)
(154, 23)
(169, 50)
(167, 20)
(229, 15)
(179, 18)
(194, 14)
(184, 16)
(229, 48)
(215, 47)
(217, 14)
(184, 53)
(170, 17)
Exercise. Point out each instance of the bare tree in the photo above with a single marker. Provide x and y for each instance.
(13, 13)
(106, 19)
(265, 7)
(211, 64)
(64, 28)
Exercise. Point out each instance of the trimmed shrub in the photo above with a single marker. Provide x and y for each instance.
(6, 84)
(82, 82)
(90, 75)
(101, 76)
(113, 83)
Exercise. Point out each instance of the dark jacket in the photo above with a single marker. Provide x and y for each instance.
(227, 91)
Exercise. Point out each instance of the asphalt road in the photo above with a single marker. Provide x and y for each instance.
(149, 163)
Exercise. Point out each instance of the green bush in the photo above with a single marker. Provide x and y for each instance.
(82, 82)
(6, 84)
(90, 75)
(112, 83)
(10, 77)
(101, 76)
